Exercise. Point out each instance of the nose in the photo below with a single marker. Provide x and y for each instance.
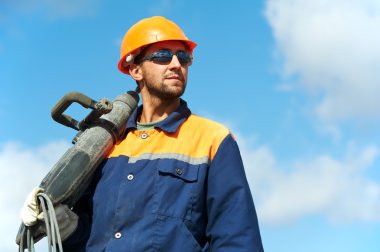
(175, 62)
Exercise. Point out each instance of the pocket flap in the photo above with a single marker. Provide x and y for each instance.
(179, 169)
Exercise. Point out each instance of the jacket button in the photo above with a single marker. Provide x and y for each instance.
(178, 171)
(130, 177)
(118, 235)
(144, 135)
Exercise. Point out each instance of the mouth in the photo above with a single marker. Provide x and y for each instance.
(174, 77)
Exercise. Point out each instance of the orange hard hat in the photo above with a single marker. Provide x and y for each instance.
(148, 31)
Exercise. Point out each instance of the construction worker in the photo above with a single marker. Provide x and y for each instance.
(176, 181)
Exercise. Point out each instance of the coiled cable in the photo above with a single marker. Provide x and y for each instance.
(51, 227)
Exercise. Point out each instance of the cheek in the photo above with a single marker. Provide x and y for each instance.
(153, 73)
(184, 72)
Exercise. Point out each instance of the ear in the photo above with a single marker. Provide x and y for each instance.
(135, 72)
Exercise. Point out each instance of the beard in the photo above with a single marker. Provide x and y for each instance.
(166, 91)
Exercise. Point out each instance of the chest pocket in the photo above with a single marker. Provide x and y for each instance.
(174, 188)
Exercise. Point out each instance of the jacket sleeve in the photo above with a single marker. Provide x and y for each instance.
(232, 221)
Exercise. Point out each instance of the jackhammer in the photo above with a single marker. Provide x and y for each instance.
(72, 174)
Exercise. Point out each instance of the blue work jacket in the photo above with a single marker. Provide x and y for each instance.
(180, 187)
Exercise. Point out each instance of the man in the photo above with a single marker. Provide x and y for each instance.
(176, 181)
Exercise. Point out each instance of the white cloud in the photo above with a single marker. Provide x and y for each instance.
(337, 189)
(333, 46)
(323, 185)
(21, 169)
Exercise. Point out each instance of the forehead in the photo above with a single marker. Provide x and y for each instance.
(172, 45)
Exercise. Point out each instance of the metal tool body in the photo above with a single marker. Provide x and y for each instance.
(97, 133)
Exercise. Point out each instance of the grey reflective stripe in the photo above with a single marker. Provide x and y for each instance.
(176, 156)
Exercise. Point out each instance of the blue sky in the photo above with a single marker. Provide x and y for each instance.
(296, 81)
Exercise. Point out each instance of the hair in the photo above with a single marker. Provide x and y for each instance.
(138, 58)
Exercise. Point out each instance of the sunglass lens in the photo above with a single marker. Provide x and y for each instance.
(166, 57)
(162, 57)
(183, 57)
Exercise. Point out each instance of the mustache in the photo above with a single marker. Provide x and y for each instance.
(176, 75)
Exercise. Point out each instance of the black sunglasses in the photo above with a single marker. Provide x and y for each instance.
(165, 56)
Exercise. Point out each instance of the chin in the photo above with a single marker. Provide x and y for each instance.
(173, 94)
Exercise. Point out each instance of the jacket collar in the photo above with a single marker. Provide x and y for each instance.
(169, 124)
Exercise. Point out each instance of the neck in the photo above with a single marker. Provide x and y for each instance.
(155, 110)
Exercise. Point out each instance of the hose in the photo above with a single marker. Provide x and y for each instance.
(51, 227)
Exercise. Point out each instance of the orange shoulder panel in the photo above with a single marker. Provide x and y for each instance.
(197, 137)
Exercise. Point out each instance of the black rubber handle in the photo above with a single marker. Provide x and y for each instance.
(99, 108)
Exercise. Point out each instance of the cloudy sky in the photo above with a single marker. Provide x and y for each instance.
(296, 81)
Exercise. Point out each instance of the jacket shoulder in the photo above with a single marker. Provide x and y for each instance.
(208, 133)
(204, 124)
